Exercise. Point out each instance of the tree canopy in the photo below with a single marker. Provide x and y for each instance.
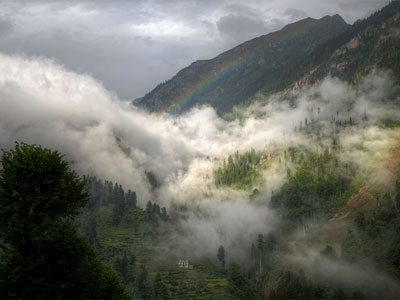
(41, 254)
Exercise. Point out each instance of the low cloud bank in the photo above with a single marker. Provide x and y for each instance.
(41, 102)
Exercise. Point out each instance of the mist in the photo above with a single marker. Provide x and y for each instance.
(42, 102)
(362, 276)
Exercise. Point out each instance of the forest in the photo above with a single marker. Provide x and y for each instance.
(137, 246)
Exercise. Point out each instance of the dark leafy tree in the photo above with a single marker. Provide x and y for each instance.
(42, 255)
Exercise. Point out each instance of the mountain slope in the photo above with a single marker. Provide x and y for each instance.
(369, 43)
(299, 55)
(234, 76)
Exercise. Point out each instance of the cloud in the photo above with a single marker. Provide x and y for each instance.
(131, 46)
(6, 27)
(129, 49)
(43, 102)
(296, 13)
(350, 277)
(242, 23)
(233, 224)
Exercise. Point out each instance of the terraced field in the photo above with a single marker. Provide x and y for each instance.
(204, 279)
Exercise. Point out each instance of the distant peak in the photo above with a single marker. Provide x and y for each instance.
(335, 17)
(308, 22)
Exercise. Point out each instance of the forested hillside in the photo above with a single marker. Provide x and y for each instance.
(142, 246)
(137, 243)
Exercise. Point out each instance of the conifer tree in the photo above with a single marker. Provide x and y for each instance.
(261, 249)
(221, 256)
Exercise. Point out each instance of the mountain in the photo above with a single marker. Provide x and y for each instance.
(369, 43)
(235, 75)
(300, 54)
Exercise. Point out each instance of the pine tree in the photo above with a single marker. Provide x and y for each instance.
(164, 215)
(142, 283)
(130, 275)
(131, 200)
(91, 232)
(261, 249)
(149, 211)
(121, 266)
(157, 286)
(221, 256)
(397, 195)
(164, 295)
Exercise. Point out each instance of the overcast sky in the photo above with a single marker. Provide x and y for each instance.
(132, 45)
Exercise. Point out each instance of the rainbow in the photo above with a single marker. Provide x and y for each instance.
(211, 80)
(232, 65)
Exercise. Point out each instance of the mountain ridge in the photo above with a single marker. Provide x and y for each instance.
(242, 70)
(284, 61)
(370, 43)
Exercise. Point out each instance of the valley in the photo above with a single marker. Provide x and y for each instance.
(271, 171)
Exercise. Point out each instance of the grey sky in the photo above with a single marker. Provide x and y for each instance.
(133, 45)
